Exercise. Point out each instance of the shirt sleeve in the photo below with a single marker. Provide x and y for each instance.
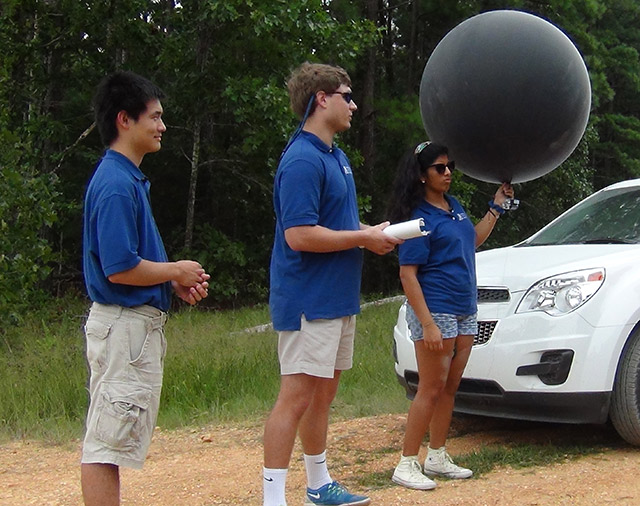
(117, 230)
(300, 190)
(415, 251)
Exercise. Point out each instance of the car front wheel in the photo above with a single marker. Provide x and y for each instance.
(625, 403)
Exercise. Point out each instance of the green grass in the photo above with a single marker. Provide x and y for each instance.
(371, 387)
(214, 371)
(520, 456)
(43, 375)
(489, 458)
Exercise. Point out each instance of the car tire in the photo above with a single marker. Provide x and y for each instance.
(625, 401)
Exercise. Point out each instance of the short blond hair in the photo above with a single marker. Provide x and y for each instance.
(310, 78)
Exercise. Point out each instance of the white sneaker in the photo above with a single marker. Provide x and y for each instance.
(439, 463)
(408, 473)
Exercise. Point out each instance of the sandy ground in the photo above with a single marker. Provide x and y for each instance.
(223, 464)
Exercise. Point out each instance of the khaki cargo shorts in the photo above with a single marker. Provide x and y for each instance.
(125, 352)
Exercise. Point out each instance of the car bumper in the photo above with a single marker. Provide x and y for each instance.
(533, 367)
(526, 350)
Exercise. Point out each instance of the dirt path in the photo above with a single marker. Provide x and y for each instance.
(222, 465)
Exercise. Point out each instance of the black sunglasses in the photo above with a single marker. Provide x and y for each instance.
(441, 167)
(347, 95)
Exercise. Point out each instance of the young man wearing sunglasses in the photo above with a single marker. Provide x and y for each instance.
(315, 281)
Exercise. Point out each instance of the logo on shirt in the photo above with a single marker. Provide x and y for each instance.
(346, 169)
(462, 216)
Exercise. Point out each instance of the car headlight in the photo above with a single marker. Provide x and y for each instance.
(563, 293)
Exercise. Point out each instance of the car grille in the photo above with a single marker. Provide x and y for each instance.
(485, 330)
(493, 295)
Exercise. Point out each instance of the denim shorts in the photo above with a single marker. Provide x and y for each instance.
(318, 348)
(125, 352)
(450, 325)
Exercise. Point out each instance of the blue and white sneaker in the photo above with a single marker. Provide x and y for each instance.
(334, 494)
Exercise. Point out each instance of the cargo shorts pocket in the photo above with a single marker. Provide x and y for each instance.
(96, 333)
(121, 414)
(147, 347)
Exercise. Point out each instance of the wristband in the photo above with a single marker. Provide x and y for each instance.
(493, 205)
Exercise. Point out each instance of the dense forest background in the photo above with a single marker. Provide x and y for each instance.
(223, 65)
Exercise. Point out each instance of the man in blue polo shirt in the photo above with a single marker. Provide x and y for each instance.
(130, 280)
(315, 281)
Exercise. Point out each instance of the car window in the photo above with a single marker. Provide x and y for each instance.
(608, 217)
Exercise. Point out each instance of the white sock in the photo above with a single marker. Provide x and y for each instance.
(317, 472)
(435, 452)
(273, 485)
(408, 458)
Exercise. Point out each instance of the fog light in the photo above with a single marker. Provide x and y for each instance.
(553, 368)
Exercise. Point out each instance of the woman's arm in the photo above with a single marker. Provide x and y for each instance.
(413, 291)
(485, 226)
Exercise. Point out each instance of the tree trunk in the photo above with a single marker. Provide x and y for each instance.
(193, 180)
(367, 144)
(386, 19)
(413, 52)
(202, 51)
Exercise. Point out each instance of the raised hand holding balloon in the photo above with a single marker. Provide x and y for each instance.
(509, 94)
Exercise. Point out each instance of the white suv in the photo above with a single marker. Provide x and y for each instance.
(559, 331)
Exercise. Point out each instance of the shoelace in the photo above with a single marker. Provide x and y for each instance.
(336, 488)
(416, 468)
(444, 458)
(449, 462)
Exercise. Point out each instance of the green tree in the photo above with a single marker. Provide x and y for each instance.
(223, 65)
(229, 119)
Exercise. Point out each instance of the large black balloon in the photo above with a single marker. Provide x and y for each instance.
(508, 93)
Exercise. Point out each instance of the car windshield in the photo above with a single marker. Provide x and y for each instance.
(609, 217)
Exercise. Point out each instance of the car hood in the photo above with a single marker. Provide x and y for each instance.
(519, 267)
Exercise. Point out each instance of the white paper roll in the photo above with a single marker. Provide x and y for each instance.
(407, 229)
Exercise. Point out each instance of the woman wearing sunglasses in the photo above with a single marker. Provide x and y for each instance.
(438, 276)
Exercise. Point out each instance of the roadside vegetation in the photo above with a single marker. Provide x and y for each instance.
(223, 66)
(492, 457)
(215, 370)
(221, 367)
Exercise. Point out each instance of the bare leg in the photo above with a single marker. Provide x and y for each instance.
(100, 484)
(296, 393)
(441, 420)
(315, 422)
(433, 368)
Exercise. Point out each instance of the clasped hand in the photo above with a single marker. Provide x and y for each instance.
(192, 285)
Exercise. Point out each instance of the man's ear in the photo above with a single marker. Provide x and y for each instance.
(321, 99)
(123, 120)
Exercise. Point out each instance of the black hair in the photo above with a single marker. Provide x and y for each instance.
(121, 91)
(408, 191)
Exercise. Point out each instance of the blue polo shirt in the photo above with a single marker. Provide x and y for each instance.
(119, 231)
(313, 186)
(445, 258)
